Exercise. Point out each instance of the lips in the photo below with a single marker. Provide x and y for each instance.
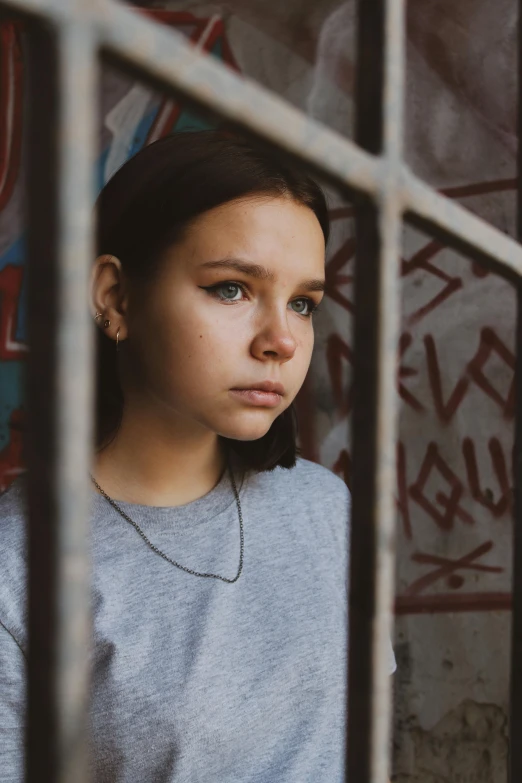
(266, 386)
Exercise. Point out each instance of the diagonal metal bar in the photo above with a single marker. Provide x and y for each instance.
(170, 60)
(173, 63)
(164, 55)
(460, 228)
(60, 372)
(258, 110)
(376, 335)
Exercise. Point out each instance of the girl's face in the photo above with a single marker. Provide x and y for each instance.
(229, 310)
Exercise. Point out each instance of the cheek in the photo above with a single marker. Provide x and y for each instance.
(208, 343)
(304, 337)
(304, 362)
(201, 343)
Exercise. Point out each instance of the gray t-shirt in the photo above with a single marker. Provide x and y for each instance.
(193, 679)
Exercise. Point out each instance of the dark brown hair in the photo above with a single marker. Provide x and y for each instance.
(146, 207)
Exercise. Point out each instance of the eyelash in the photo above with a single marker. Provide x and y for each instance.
(213, 289)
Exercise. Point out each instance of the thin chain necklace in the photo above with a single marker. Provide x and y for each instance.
(166, 557)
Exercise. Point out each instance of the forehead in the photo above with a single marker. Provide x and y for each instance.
(277, 232)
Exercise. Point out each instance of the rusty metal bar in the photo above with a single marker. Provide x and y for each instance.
(515, 696)
(61, 157)
(380, 76)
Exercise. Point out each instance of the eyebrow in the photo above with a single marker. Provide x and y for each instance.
(258, 271)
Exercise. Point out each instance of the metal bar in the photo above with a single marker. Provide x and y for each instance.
(380, 70)
(260, 111)
(515, 695)
(460, 228)
(165, 56)
(153, 49)
(60, 335)
(168, 58)
(171, 62)
(61, 146)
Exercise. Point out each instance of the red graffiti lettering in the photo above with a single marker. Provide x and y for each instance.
(337, 352)
(10, 286)
(447, 568)
(11, 457)
(11, 106)
(445, 410)
(422, 260)
(485, 497)
(402, 486)
(407, 372)
(489, 346)
(334, 276)
(444, 508)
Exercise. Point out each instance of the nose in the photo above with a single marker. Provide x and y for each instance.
(274, 340)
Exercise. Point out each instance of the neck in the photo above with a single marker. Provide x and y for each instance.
(152, 464)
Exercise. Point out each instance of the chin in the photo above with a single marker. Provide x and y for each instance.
(252, 428)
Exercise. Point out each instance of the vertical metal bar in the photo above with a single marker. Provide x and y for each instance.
(515, 756)
(60, 138)
(380, 77)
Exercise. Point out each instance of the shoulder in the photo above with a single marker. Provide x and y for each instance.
(13, 558)
(308, 482)
(310, 475)
(307, 493)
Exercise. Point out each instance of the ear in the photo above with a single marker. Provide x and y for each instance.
(109, 295)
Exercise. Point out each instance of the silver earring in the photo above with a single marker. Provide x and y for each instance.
(98, 315)
(118, 339)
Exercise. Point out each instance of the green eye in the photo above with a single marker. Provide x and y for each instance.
(229, 290)
(304, 306)
(234, 292)
(225, 292)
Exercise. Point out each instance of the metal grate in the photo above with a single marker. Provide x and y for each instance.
(67, 38)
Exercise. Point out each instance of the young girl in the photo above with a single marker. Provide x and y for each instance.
(219, 557)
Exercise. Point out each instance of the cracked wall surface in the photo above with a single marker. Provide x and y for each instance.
(468, 745)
